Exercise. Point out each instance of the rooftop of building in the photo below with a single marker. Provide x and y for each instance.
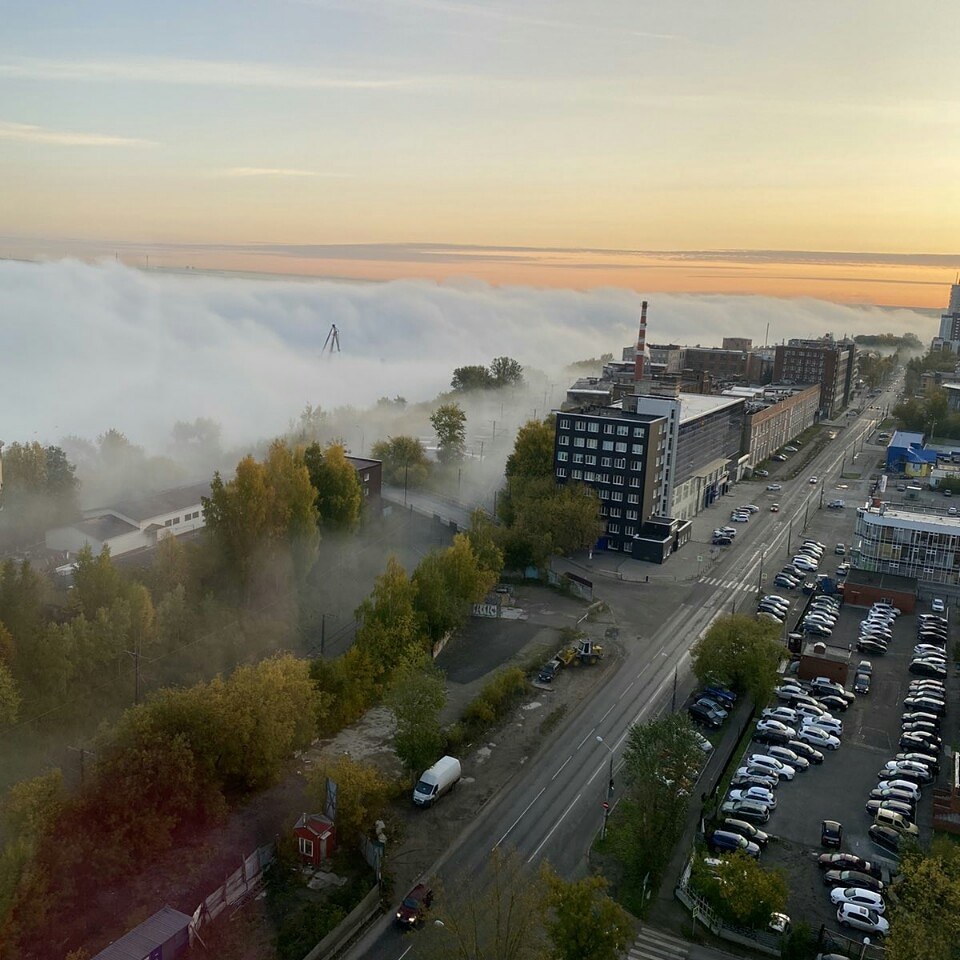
(160, 503)
(905, 438)
(363, 463)
(888, 581)
(105, 528)
(885, 515)
(696, 405)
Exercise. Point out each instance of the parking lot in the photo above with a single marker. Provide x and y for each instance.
(838, 788)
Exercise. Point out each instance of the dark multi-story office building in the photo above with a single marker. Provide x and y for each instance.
(829, 362)
(621, 455)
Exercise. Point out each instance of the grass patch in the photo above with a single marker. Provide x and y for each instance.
(552, 719)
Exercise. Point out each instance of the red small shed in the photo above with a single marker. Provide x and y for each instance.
(316, 838)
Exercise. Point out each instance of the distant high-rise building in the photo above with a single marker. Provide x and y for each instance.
(950, 321)
(829, 362)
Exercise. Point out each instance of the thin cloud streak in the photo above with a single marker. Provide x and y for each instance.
(211, 73)
(31, 133)
(278, 172)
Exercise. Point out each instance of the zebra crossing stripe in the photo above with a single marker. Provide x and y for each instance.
(655, 945)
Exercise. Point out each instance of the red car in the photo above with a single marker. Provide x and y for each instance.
(413, 909)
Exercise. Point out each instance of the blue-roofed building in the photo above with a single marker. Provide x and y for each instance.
(163, 936)
(905, 454)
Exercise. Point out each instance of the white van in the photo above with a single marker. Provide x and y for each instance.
(442, 777)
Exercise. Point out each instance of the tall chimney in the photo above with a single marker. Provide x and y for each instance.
(639, 361)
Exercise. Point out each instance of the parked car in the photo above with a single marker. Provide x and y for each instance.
(786, 581)
(549, 670)
(901, 796)
(831, 833)
(861, 683)
(902, 822)
(748, 830)
(860, 896)
(754, 794)
(748, 779)
(927, 668)
(770, 737)
(827, 722)
(885, 837)
(762, 473)
(780, 769)
(832, 702)
(840, 549)
(920, 741)
(862, 918)
(802, 562)
(780, 458)
(774, 487)
(907, 786)
(819, 738)
(722, 541)
(705, 716)
(785, 715)
(727, 841)
(852, 878)
(893, 768)
(775, 726)
(712, 704)
(937, 605)
(931, 760)
(850, 861)
(871, 645)
(873, 807)
(745, 810)
(789, 757)
(805, 751)
(720, 694)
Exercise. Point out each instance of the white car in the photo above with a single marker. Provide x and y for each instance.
(782, 770)
(818, 737)
(827, 722)
(804, 563)
(905, 785)
(750, 508)
(815, 543)
(936, 605)
(783, 714)
(863, 898)
(740, 517)
(774, 487)
(756, 794)
(886, 608)
(853, 915)
(811, 710)
(775, 726)
(893, 768)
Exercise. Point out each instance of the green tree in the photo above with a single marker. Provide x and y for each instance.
(584, 922)
(9, 697)
(505, 372)
(742, 891)
(416, 695)
(447, 583)
(450, 423)
(170, 568)
(471, 378)
(339, 495)
(741, 652)
(362, 795)
(405, 462)
(925, 919)
(660, 764)
(388, 621)
(292, 516)
(572, 518)
(174, 619)
(96, 582)
(484, 538)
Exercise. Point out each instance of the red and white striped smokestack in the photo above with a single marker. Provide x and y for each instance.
(639, 361)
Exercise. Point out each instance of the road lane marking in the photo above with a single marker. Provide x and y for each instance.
(522, 815)
(604, 717)
(586, 738)
(554, 827)
(629, 685)
(565, 762)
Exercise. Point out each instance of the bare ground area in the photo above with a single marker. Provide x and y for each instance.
(183, 877)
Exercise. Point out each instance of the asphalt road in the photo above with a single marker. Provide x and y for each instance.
(554, 808)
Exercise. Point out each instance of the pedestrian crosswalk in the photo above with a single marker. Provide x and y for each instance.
(734, 586)
(655, 945)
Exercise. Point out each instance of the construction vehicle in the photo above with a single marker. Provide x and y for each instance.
(583, 651)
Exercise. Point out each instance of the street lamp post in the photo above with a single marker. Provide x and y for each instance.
(606, 806)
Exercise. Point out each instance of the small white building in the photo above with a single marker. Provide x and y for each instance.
(134, 524)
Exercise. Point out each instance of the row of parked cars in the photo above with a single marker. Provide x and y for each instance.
(711, 706)
(876, 628)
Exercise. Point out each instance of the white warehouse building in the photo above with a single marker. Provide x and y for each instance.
(134, 524)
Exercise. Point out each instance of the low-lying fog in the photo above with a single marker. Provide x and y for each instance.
(88, 347)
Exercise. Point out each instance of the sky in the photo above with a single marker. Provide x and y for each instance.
(655, 146)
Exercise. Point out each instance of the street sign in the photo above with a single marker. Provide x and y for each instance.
(606, 806)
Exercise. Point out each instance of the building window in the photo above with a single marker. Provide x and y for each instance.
(617, 480)
(637, 448)
(564, 441)
(638, 431)
(616, 496)
(579, 442)
(603, 494)
(623, 430)
(561, 471)
(593, 427)
(591, 444)
(578, 458)
(608, 428)
(562, 456)
(633, 497)
(588, 476)
(629, 530)
(620, 463)
(608, 445)
(637, 465)
(592, 461)
(306, 846)
(613, 528)
(581, 424)
(621, 448)
(616, 512)
(631, 514)
(576, 474)
(564, 424)
(634, 481)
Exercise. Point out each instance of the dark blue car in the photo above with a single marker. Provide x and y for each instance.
(721, 694)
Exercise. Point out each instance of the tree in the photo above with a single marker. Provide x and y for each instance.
(498, 914)
(96, 582)
(447, 583)
(416, 695)
(449, 421)
(484, 541)
(174, 618)
(362, 795)
(585, 923)
(572, 518)
(405, 462)
(505, 372)
(339, 496)
(742, 891)
(741, 652)
(925, 920)
(471, 378)
(661, 761)
(388, 620)
(9, 696)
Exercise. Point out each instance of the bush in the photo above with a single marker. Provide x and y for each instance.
(494, 701)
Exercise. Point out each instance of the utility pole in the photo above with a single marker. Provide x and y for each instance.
(406, 467)
(606, 804)
(323, 633)
(673, 703)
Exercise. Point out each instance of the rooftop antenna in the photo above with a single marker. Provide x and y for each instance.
(332, 341)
